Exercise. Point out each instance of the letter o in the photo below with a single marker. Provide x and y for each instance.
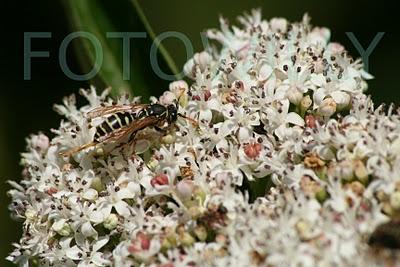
(98, 55)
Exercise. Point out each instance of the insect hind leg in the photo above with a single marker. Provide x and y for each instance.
(77, 149)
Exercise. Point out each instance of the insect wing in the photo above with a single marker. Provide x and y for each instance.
(108, 110)
(135, 126)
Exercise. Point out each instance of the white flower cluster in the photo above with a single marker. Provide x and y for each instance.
(289, 164)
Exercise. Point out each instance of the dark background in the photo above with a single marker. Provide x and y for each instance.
(26, 106)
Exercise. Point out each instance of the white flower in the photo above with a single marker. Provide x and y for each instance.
(240, 120)
(282, 160)
(88, 253)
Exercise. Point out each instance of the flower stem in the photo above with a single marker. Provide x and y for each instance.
(167, 57)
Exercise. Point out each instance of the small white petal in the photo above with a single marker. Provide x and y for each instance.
(101, 242)
(122, 208)
(295, 119)
(96, 217)
(205, 115)
(264, 72)
(73, 253)
(88, 230)
(90, 194)
(99, 260)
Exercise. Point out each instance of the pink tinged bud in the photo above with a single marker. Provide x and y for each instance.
(132, 249)
(203, 59)
(196, 97)
(167, 98)
(52, 190)
(144, 241)
(310, 120)
(252, 150)
(319, 35)
(40, 142)
(178, 86)
(336, 48)
(278, 24)
(185, 188)
(160, 179)
(207, 95)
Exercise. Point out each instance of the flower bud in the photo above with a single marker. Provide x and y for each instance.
(97, 184)
(99, 152)
(395, 200)
(152, 164)
(294, 96)
(341, 99)
(319, 35)
(40, 142)
(360, 171)
(30, 215)
(345, 170)
(305, 103)
(186, 239)
(303, 229)
(221, 239)
(90, 194)
(160, 179)
(278, 24)
(200, 232)
(168, 139)
(327, 107)
(165, 244)
(185, 188)
(321, 195)
(62, 228)
(357, 187)
(252, 150)
(199, 194)
(335, 48)
(111, 221)
(167, 98)
(195, 212)
(177, 87)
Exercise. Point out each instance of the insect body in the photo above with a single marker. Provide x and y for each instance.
(126, 120)
(386, 235)
(136, 120)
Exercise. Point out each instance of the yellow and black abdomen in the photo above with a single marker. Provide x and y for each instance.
(120, 120)
(114, 122)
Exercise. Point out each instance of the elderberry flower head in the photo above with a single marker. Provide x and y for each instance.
(284, 161)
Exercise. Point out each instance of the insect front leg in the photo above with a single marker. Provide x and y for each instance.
(161, 130)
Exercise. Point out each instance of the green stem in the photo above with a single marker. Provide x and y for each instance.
(167, 57)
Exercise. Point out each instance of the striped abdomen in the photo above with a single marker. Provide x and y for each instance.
(112, 123)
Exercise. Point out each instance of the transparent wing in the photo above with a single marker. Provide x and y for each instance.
(117, 135)
(135, 126)
(107, 110)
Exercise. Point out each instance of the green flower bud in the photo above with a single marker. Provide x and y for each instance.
(111, 221)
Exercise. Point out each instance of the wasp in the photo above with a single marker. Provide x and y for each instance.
(386, 235)
(122, 121)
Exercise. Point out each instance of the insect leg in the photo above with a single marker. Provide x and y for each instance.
(77, 149)
(161, 130)
(129, 142)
